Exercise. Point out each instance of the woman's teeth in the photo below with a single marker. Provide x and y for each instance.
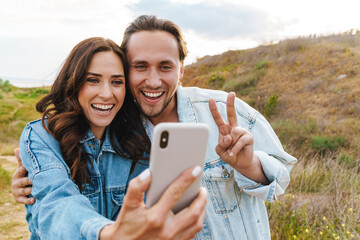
(102, 107)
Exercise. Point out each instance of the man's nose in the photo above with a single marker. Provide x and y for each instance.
(153, 79)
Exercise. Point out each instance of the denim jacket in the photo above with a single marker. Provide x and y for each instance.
(235, 207)
(60, 210)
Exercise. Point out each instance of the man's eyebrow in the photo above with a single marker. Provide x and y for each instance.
(166, 62)
(99, 75)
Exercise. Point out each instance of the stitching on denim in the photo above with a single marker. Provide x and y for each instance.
(30, 153)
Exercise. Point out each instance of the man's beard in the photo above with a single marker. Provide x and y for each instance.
(155, 114)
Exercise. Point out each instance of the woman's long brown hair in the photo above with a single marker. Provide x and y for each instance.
(64, 118)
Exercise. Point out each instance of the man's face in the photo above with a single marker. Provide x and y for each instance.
(155, 70)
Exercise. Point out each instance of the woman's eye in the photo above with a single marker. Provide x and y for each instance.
(118, 82)
(92, 80)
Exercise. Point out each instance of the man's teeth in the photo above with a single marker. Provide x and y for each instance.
(103, 107)
(153, 95)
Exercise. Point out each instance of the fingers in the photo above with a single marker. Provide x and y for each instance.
(234, 142)
(176, 190)
(191, 219)
(135, 193)
(20, 172)
(215, 113)
(17, 155)
(230, 109)
(25, 200)
(20, 189)
(244, 139)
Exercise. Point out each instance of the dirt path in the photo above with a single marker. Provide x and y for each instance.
(12, 215)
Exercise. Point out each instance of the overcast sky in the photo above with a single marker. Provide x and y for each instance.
(37, 35)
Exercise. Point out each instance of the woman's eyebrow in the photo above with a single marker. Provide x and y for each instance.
(99, 75)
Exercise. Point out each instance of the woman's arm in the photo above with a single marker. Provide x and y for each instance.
(60, 210)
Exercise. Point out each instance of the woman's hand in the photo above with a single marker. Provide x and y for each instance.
(135, 221)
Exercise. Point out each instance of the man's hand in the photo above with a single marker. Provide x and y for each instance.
(135, 221)
(21, 185)
(235, 145)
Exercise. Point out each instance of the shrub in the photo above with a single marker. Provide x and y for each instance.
(216, 81)
(326, 143)
(5, 86)
(261, 65)
(270, 105)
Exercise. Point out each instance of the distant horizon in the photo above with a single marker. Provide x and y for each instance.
(27, 82)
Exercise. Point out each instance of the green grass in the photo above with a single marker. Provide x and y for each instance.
(16, 109)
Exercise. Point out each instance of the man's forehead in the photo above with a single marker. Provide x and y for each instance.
(146, 44)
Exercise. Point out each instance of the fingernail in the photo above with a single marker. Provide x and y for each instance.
(231, 154)
(204, 190)
(196, 171)
(144, 175)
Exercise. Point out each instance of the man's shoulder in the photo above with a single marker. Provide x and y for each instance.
(202, 94)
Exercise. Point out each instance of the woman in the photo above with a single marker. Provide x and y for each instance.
(81, 148)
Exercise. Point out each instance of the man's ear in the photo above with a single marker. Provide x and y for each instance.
(182, 69)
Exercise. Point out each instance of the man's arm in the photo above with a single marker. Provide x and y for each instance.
(21, 186)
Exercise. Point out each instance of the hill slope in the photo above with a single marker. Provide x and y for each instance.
(309, 88)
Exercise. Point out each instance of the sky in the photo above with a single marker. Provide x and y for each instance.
(37, 35)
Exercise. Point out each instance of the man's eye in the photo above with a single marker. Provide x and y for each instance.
(92, 80)
(140, 67)
(165, 67)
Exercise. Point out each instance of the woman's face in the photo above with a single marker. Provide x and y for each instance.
(103, 92)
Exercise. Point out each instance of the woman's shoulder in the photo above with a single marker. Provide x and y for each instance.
(36, 129)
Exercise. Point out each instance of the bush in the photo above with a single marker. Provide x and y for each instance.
(326, 143)
(261, 65)
(5, 86)
(216, 81)
(270, 105)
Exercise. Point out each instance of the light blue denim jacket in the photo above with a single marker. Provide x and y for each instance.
(60, 210)
(235, 208)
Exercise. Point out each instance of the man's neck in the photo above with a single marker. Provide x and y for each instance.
(168, 115)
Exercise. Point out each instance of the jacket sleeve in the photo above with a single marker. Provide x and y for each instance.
(276, 163)
(60, 210)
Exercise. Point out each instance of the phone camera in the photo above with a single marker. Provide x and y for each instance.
(164, 139)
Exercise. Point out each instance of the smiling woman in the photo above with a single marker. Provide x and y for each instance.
(103, 93)
(78, 155)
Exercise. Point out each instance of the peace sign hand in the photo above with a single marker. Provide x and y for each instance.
(236, 144)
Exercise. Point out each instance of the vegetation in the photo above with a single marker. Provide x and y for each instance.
(17, 107)
(308, 90)
(296, 84)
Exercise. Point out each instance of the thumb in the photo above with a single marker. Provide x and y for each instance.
(135, 193)
(17, 155)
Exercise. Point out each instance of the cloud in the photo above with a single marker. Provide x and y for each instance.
(212, 19)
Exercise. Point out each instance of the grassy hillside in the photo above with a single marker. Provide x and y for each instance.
(309, 90)
(17, 107)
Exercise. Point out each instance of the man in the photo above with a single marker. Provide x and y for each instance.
(246, 164)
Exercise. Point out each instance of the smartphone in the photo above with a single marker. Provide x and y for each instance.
(176, 147)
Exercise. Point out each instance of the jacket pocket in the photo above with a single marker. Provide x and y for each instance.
(222, 188)
(117, 198)
(92, 192)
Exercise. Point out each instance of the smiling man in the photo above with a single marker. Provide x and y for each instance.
(245, 163)
(245, 166)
